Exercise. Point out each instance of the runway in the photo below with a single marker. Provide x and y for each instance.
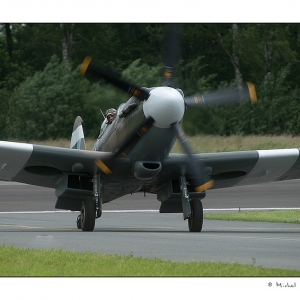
(20, 197)
(132, 226)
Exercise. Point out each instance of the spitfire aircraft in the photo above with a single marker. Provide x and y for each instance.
(132, 154)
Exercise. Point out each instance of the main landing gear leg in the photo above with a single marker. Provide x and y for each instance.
(186, 208)
(97, 195)
(91, 208)
(192, 209)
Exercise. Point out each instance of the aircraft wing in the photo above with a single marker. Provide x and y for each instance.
(241, 167)
(45, 165)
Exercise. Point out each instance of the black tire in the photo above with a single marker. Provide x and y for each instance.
(195, 220)
(88, 214)
(78, 222)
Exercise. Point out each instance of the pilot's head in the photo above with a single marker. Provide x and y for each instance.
(110, 115)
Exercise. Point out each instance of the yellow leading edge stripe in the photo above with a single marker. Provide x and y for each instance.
(252, 92)
(85, 65)
(204, 187)
(102, 166)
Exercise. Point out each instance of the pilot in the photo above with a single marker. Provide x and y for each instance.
(110, 115)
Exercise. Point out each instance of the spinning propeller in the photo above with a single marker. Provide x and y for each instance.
(237, 95)
(198, 173)
(93, 68)
(171, 54)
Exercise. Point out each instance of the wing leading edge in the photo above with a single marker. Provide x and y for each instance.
(46, 166)
(241, 167)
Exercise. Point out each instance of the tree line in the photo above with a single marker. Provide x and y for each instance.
(41, 90)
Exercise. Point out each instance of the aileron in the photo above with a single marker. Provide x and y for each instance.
(271, 166)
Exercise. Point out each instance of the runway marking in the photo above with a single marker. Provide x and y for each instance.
(150, 210)
(13, 226)
(21, 226)
(131, 211)
(250, 237)
(251, 209)
(144, 227)
(258, 228)
(36, 212)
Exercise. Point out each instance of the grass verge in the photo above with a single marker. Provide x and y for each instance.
(29, 262)
(282, 216)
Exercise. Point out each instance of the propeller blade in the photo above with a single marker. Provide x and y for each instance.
(198, 171)
(141, 129)
(93, 68)
(171, 54)
(244, 93)
(102, 166)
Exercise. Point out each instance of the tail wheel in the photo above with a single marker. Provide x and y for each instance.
(87, 216)
(195, 220)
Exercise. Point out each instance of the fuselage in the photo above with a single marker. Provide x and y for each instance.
(165, 105)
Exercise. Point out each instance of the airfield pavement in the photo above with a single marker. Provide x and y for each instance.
(132, 225)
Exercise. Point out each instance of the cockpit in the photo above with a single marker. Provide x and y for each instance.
(105, 123)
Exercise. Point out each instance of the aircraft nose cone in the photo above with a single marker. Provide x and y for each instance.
(165, 105)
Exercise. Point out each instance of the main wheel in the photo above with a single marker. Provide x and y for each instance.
(195, 220)
(88, 214)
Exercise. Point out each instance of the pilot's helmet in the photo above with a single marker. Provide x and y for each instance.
(110, 111)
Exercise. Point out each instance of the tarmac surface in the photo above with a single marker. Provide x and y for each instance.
(132, 225)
